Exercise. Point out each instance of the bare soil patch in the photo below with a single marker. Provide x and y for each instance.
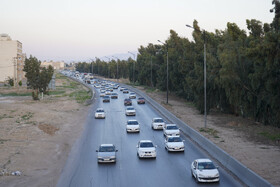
(36, 136)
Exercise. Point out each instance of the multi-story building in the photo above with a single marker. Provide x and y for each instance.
(11, 59)
(55, 65)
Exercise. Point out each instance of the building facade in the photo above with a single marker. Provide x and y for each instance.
(55, 65)
(11, 59)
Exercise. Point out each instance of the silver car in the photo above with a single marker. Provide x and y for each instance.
(106, 153)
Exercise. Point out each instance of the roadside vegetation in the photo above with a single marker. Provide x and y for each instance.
(242, 68)
(68, 89)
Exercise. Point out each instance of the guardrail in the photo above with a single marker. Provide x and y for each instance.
(246, 175)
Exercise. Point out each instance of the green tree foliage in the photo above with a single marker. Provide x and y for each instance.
(37, 78)
(243, 70)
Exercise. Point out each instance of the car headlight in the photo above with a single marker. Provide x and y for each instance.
(112, 156)
(200, 175)
(217, 175)
(99, 157)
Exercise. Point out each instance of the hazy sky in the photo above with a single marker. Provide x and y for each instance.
(83, 29)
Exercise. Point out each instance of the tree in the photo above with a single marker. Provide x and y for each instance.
(37, 78)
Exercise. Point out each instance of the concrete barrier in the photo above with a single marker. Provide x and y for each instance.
(246, 175)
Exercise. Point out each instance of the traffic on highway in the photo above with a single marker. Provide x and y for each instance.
(131, 144)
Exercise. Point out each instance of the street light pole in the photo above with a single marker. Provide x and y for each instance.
(117, 68)
(151, 72)
(166, 71)
(204, 48)
(97, 66)
(108, 65)
(133, 65)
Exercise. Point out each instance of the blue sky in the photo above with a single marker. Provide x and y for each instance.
(76, 30)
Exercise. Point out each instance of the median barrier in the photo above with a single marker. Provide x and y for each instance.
(246, 175)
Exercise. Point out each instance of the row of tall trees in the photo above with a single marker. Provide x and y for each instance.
(243, 70)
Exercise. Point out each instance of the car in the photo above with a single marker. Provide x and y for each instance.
(141, 100)
(114, 96)
(132, 126)
(132, 95)
(174, 143)
(106, 153)
(122, 88)
(127, 102)
(203, 170)
(130, 111)
(171, 130)
(106, 99)
(115, 86)
(100, 113)
(157, 123)
(108, 92)
(125, 90)
(102, 93)
(146, 149)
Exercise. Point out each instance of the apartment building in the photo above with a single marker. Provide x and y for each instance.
(11, 59)
(55, 65)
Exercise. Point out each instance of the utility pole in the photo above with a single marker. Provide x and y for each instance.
(204, 51)
(15, 69)
(133, 64)
(166, 70)
(151, 72)
(108, 66)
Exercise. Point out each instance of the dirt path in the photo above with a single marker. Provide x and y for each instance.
(251, 143)
(36, 136)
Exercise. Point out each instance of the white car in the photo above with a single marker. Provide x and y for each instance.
(174, 143)
(108, 92)
(132, 95)
(132, 126)
(130, 111)
(157, 123)
(102, 93)
(146, 149)
(171, 130)
(203, 170)
(106, 153)
(100, 113)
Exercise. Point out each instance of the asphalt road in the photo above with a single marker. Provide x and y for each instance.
(168, 169)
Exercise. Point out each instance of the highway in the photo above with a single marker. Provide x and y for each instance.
(168, 169)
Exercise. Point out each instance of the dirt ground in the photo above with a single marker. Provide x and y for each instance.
(241, 138)
(36, 136)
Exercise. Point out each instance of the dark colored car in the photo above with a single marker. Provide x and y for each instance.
(114, 96)
(125, 90)
(106, 99)
(141, 100)
(127, 102)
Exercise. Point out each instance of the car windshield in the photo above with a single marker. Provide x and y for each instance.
(130, 108)
(100, 110)
(174, 139)
(206, 165)
(106, 149)
(146, 144)
(132, 122)
(171, 127)
(132, 93)
(114, 94)
(140, 98)
(106, 97)
(158, 120)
